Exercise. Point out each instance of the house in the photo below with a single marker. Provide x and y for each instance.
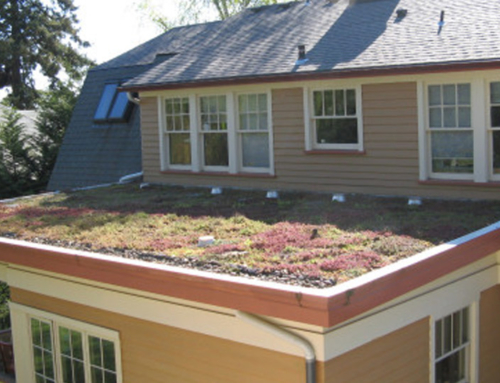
(432, 317)
(392, 97)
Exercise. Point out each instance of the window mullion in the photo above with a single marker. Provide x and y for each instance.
(232, 138)
(479, 129)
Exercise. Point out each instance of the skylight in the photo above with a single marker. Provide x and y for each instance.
(113, 106)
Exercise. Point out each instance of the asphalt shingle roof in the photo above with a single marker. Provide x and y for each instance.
(338, 36)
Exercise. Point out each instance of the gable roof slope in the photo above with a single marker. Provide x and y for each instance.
(338, 36)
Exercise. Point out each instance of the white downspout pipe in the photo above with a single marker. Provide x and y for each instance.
(288, 336)
(133, 99)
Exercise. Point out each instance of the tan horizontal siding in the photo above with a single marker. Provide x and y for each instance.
(389, 164)
(150, 139)
(155, 353)
(489, 336)
(402, 356)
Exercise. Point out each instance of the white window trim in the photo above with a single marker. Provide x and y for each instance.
(247, 169)
(490, 129)
(235, 166)
(473, 344)
(164, 136)
(21, 331)
(482, 167)
(310, 131)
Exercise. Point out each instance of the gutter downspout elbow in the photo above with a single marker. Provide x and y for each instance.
(288, 336)
(133, 99)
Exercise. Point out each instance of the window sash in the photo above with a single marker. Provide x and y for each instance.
(449, 131)
(452, 338)
(213, 128)
(70, 354)
(335, 119)
(494, 128)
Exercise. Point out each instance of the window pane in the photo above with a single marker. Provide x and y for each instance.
(36, 333)
(339, 103)
(109, 377)
(243, 121)
(252, 103)
(215, 148)
(186, 123)
(49, 364)
(452, 152)
(263, 121)
(185, 105)
(97, 376)
(76, 345)
(222, 104)
(243, 103)
(438, 338)
(64, 340)
(434, 95)
(449, 94)
(204, 104)
(464, 94)
(38, 358)
(451, 369)
(465, 325)
(447, 339)
(262, 102)
(67, 369)
(253, 122)
(435, 118)
(495, 92)
(328, 102)
(337, 131)
(457, 329)
(255, 148)
(177, 123)
(119, 107)
(318, 103)
(79, 372)
(170, 123)
(169, 107)
(212, 104)
(464, 120)
(95, 351)
(180, 149)
(46, 336)
(449, 117)
(495, 116)
(351, 102)
(496, 152)
(109, 355)
(105, 102)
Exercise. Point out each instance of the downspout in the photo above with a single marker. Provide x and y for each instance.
(133, 99)
(288, 336)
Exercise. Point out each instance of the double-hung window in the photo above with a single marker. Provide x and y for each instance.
(214, 132)
(177, 138)
(452, 348)
(67, 351)
(336, 121)
(495, 128)
(253, 131)
(450, 130)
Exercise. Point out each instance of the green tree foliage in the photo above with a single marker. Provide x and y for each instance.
(38, 35)
(195, 11)
(27, 158)
(16, 161)
(55, 110)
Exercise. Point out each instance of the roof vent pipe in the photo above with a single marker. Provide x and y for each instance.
(288, 336)
(302, 59)
(441, 19)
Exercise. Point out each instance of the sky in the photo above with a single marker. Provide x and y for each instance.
(113, 27)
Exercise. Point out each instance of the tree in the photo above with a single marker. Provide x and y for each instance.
(55, 110)
(17, 163)
(38, 35)
(195, 11)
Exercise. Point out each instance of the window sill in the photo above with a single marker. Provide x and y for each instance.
(490, 184)
(218, 174)
(336, 152)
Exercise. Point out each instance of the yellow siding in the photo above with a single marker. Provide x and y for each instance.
(489, 336)
(156, 353)
(389, 166)
(402, 356)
